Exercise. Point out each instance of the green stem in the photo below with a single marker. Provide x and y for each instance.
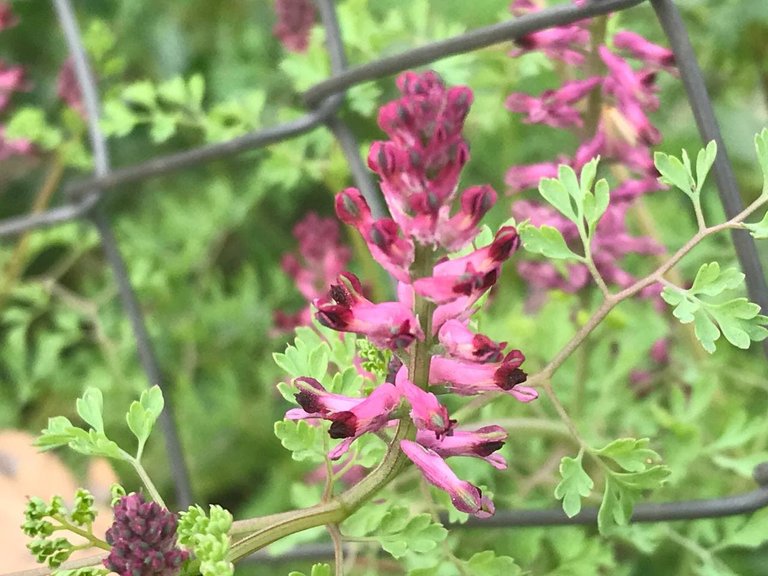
(92, 540)
(147, 481)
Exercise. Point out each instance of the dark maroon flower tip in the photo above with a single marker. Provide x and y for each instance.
(334, 316)
(506, 242)
(344, 425)
(487, 448)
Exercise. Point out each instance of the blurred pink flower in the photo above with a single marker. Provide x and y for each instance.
(295, 19)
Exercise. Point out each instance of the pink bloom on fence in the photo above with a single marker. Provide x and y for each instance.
(554, 107)
(640, 48)
(464, 496)
(481, 443)
(295, 19)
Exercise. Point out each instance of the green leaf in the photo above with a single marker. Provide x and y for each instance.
(141, 93)
(29, 123)
(196, 90)
(547, 241)
(303, 440)
(174, 91)
(118, 119)
(555, 192)
(596, 204)
(631, 454)
(704, 161)
(317, 570)
(574, 485)
(674, 173)
(759, 230)
(90, 408)
(208, 538)
(60, 432)
(710, 281)
(143, 414)
(622, 490)
(163, 127)
(488, 564)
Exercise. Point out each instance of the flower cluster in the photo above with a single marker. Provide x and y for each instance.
(12, 79)
(616, 98)
(294, 23)
(419, 168)
(321, 259)
(143, 539)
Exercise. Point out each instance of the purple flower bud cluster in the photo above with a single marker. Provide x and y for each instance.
(620, 131)
(143, 539)
(419, 169)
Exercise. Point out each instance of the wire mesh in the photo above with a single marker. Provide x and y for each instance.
(323, 101)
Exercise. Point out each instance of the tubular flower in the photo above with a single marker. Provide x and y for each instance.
(481, 443)
(464, 496)
(317, 402)
(470, 274)
(143, 539)
(554, 107)
(387, 325)
(463, 344)
(467, 378)
(426, 411)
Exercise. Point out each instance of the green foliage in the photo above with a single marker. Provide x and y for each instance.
(680, 173)
(737, 319)
(143, 414)
(639, 474)
(207, 536)
(396, 529)
(547, 241)
(42, 519)
(30, 123)
(574, 485)
(488, 564)
(374, 360)
(303, 440)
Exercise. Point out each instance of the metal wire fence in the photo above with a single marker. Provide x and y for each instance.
(323, 102)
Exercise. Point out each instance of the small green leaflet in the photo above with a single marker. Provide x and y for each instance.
(488, 564)
(208, 538)
(396, 529)
(90, 407)
(574, 197)
(680, 173)
(304, 441)
(547, 241)
(738, 319)
(639, 472)
(143, 414)
(574, 485)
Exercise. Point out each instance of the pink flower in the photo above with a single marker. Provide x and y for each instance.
(419, 166)
(650, 53)
(7, 18)
(468, 378)
(554, 107)
(471, 274)
(463, 344)
(383, 237)
(426, 411)
(320, 260)
(626, 84)
(317, 402)
(565, 43)
(294, 23)
(68, 88)
(12, 79)
(19, 147)
(481, 443)
(525, 176)
(456, 232)
(386, 325)
(464, 496)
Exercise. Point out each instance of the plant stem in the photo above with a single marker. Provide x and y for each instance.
(338, 549)
(147, 481)
(93, 541)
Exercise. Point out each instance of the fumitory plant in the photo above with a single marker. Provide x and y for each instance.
(386, 395)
